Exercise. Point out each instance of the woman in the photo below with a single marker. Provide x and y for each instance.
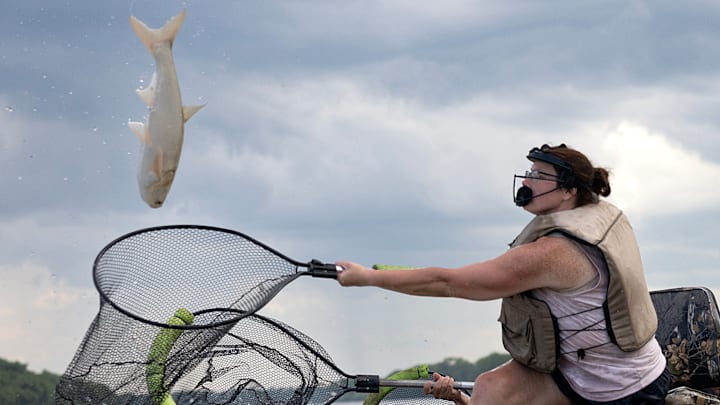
(576, 312)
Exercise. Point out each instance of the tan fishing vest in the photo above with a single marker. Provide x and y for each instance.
(529, 329)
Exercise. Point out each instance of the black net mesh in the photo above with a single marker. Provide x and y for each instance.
(257, 361)
(111, 364)
(411, 396)
(150, 273)
(262, 361)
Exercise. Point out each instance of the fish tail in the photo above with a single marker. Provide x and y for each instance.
(150, 36)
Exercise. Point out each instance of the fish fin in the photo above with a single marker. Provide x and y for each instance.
(140, 131)
(150, 36)
(190, 110)
(148, 93)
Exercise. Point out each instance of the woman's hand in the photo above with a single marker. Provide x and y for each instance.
(442, 388)
(353, 274)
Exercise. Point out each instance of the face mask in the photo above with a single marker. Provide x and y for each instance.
(525, 194)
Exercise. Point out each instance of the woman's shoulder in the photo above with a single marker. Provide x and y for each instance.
(565, 261)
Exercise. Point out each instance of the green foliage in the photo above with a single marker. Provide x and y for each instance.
(20, 386)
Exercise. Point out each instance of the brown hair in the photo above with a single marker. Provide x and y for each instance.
(589, 180)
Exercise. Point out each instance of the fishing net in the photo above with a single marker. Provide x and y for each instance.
(176, 324)
(258, 360)
(149, 273)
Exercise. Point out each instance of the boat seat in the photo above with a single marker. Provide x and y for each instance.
(688, 332)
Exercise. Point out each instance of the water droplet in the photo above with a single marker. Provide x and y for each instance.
(9, 108)
(20, 178)
(95, 129)
(65, 179)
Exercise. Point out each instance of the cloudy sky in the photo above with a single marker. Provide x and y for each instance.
(375, 131)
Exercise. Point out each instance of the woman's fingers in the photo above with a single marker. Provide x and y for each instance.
(441, 387)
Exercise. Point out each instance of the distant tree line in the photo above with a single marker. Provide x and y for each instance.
(463, 370)
(19, 386)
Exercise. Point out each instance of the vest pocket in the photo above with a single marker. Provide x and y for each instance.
(528, 332)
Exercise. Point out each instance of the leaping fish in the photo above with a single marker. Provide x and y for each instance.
(162, 135)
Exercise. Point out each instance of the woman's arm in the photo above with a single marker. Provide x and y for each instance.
(548, 262)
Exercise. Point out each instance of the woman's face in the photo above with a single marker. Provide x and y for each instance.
(549, 196)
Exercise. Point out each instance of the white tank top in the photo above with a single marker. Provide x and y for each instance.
(595, 367)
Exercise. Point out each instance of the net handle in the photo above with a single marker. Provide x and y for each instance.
(460, 385)
(372, 383)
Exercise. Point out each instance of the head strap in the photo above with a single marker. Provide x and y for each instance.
(541, 155)
(566, 172)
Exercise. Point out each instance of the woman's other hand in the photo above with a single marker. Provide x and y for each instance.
(442, 388)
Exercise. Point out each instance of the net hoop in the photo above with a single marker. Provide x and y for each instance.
(228, 313)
